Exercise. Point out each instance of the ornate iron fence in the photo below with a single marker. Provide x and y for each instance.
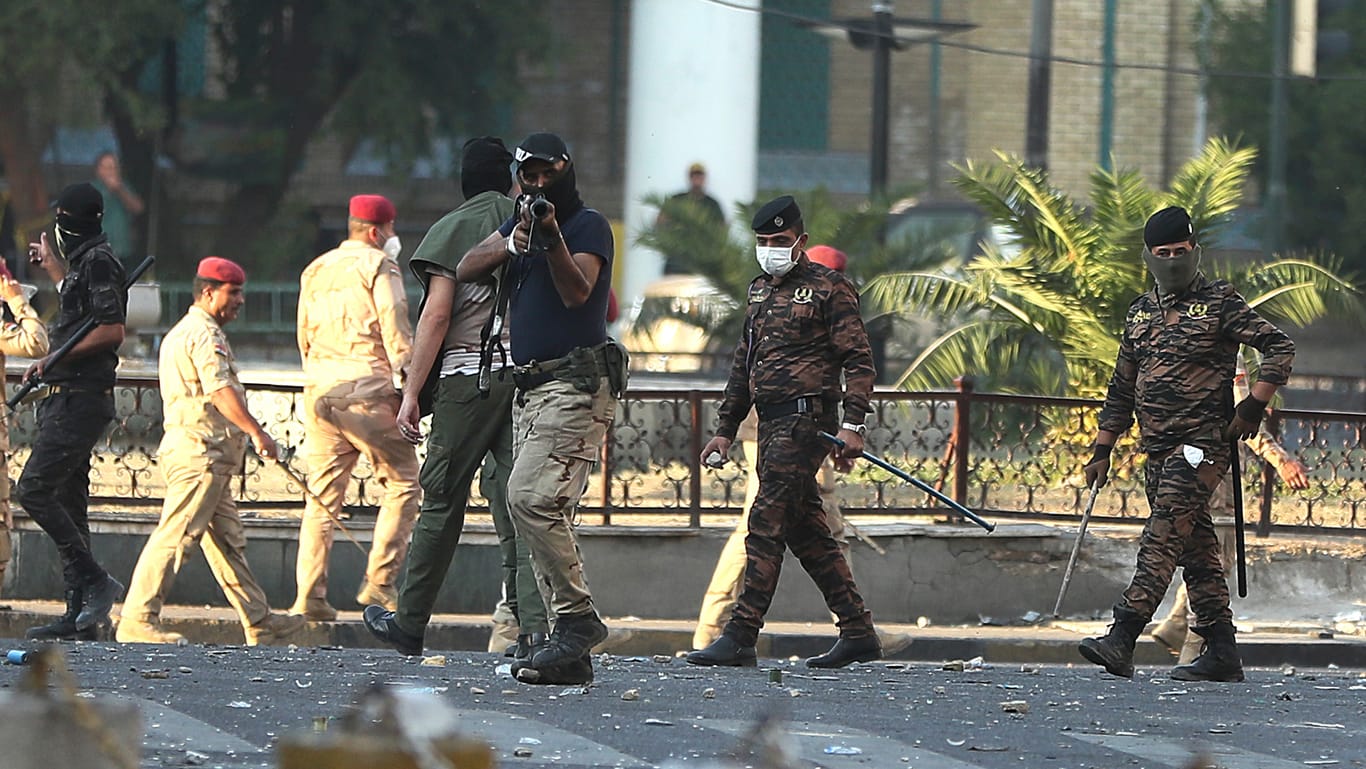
(1020, 459)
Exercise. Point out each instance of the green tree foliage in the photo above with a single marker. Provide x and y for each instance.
(48, 44)
(282, 73)
(1325, 138)
(400, 74)
(698, 244)
(1047, 321)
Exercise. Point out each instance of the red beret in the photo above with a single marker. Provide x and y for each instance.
(830, 257)
(222, 270)
(375, 209)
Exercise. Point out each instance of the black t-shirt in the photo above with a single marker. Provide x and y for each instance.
(542, 328)
(93, 289)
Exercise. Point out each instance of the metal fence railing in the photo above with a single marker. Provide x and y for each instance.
(1020, 459)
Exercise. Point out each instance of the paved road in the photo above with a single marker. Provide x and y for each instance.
(230, 704)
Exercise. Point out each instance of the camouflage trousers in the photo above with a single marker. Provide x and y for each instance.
(786, 514)
(726, 578)
(558, 433)
(1180, 532)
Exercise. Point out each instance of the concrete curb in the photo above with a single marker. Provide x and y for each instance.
(995, 645)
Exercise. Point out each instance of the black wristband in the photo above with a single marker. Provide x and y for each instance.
(1099, 452)
(1251, 410)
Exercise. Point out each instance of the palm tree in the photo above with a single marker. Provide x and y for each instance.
(691, 239)
(1047, 320)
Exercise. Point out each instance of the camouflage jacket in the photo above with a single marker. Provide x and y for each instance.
(801, 332)
(1176, 364)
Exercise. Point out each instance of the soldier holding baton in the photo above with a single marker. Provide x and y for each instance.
(1175, 372)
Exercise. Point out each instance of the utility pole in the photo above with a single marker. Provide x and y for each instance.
(1040, 75)
(1275, 155)
(882, 95)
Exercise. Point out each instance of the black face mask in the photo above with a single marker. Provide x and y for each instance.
(72, 231)
(563, 193)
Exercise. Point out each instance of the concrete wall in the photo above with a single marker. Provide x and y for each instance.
(950, 575)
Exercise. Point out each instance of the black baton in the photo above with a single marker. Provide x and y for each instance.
(1239, 544)
(28, 385)
(928, 489)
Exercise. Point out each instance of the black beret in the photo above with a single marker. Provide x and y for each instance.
(777, 215)
(1170, 225)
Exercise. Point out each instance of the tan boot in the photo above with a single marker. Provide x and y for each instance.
(1190, 649)
(315, 610)
(1171, 633)
(377, 595)
(274, 630)
(131, 631)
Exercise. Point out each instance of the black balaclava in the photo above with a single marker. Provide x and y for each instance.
(486, 166)
(563, 193)
(80, 211)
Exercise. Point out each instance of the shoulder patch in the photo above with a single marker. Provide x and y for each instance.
(802, 295)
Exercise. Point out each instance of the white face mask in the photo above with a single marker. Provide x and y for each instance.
(775, 260)
(392, 247)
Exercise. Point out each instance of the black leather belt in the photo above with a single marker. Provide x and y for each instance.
(803, 405)
(59, 389)
(528, 382)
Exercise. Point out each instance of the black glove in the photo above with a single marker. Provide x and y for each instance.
(1247, 418)
(1097, 470)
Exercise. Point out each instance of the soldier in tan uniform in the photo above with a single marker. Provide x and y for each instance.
(206, 429)
(356, 341)
(20, 334)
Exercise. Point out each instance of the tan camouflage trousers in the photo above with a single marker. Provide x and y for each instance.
(1180, 532)
(787, 514)
(199, 509)
(724, 589)
(338, 431)
(558, 435)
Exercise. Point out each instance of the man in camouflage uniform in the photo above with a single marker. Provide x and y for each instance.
(1175, 371)
(21, 333)
(802, 331)
(206, 429)
(569, 376)
(356, 340)
(1174, 631)
(727, 577)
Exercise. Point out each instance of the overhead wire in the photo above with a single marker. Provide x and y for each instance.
(1006, 52)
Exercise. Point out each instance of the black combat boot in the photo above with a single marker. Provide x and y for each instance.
(527, 645)
(64, 627)
(1218, 660)
(572, 671)
(1115, 650)
(847, 651)
(725, 651)
(100, 596)
(382, 624)
(573, 638)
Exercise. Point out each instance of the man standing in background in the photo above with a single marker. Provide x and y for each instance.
(122, 205)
